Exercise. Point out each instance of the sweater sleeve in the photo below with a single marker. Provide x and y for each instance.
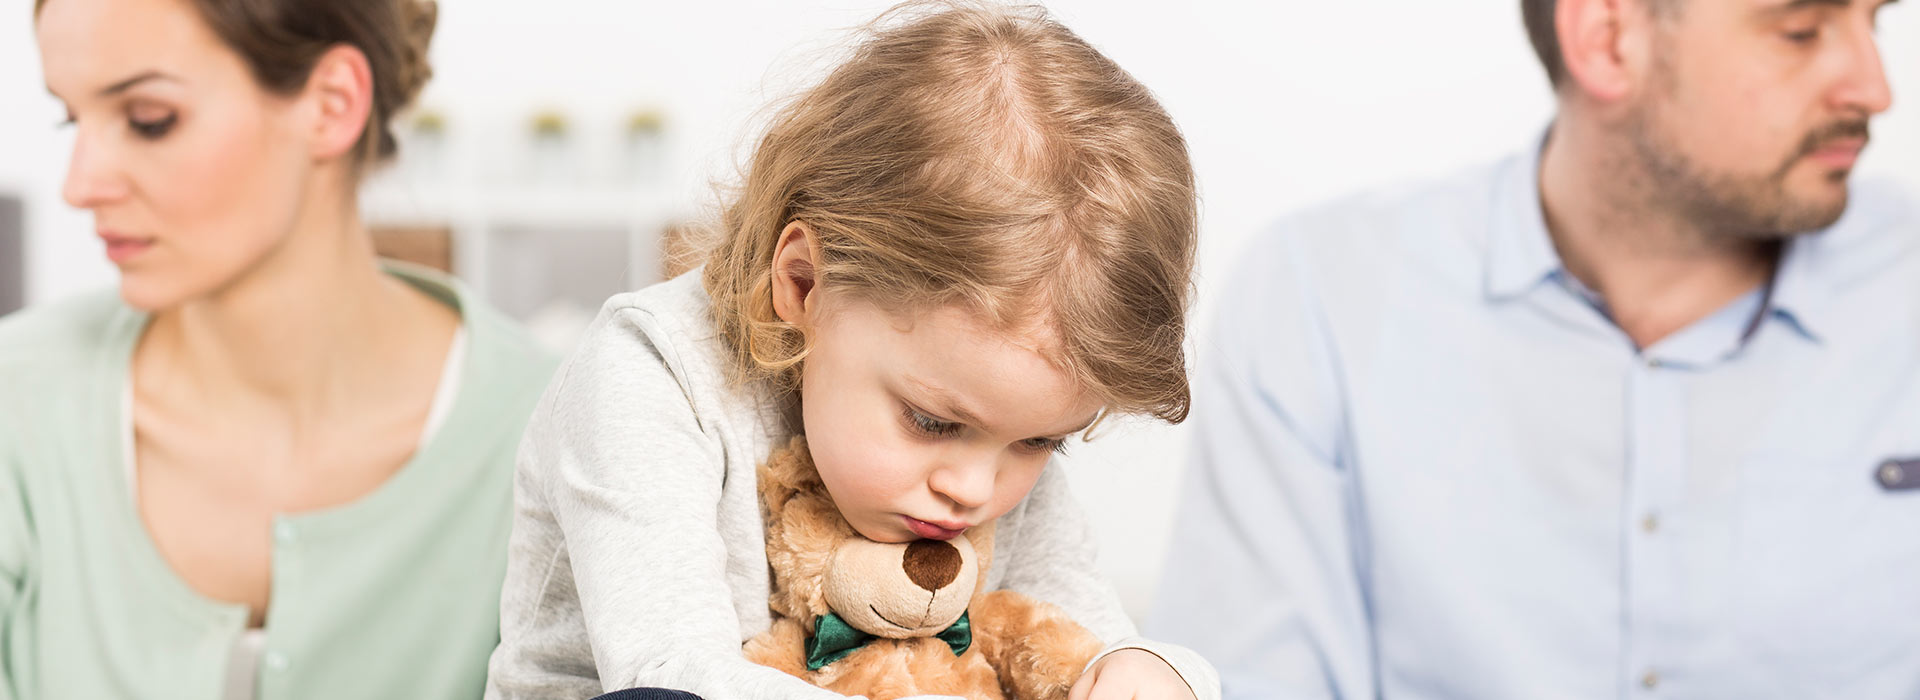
(1051, 556)
(623, 466)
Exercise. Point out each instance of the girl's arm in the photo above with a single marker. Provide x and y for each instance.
(618, 458)
(1049, 554)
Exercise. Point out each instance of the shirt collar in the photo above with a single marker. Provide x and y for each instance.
(1520, 252)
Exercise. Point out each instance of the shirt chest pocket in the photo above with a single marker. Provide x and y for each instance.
(1827, 563)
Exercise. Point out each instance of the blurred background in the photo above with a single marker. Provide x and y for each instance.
(562, 144)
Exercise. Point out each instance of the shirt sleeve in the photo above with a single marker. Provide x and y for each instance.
(1265, 567)
(1052, 557)
(634, 485)
(16, 556)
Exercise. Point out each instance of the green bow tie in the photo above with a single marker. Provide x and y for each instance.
(833, 639)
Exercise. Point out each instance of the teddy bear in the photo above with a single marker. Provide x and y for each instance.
(886, 621)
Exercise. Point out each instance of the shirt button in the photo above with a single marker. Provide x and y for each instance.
(1650, 524)
(1891, 474)
(276, 661)
(283, 532)
(1650, 680)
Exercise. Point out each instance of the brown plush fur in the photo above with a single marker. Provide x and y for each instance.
(1023, 649)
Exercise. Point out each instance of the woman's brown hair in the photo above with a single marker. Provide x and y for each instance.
(983, 156)
(281, 40)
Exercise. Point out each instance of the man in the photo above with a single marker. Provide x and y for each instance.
(1634, 414)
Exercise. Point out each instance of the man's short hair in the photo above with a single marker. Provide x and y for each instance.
(1538, 15)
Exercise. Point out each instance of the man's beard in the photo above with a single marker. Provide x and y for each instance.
(1756, 207)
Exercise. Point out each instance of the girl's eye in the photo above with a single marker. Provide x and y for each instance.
(1804, 36)
(152, 130)
(927, 425)
(1045, 445)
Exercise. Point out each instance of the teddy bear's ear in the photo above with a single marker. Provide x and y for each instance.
(787, 473)
(803, 530)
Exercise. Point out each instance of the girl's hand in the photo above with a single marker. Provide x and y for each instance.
(1130, 674)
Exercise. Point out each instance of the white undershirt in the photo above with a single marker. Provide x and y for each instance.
(243, 662)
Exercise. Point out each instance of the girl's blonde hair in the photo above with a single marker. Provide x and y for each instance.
(983, 156)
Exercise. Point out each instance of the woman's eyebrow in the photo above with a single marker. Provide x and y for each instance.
(128, 83)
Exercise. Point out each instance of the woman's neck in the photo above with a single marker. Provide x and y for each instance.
(307, 331)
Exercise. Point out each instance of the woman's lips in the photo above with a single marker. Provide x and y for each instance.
(122, 248)
(935, 531)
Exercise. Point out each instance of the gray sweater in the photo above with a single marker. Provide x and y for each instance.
(638, 557)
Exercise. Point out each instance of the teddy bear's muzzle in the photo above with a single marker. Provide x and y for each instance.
(900, 591)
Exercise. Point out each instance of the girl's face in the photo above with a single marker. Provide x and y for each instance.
(192, 171)
(924, 427)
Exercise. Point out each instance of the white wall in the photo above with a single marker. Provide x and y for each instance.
(1284, 103)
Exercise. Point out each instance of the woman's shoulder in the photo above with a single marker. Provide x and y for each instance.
(59, 337)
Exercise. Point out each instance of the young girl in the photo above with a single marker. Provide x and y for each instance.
(967, 244)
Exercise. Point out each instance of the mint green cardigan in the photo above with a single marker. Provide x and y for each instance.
(395, 595)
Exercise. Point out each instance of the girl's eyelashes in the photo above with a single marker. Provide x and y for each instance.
(927, 426)
(1048, 445)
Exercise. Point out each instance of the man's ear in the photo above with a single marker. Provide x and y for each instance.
(795, 274)
(339, 93)
(1606, 44)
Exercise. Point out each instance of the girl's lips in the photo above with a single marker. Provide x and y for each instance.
(932, 531)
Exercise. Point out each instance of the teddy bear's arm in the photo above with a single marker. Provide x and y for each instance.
(783, 646)
(1037, 650)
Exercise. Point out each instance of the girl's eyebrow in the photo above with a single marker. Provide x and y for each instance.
(951, 404)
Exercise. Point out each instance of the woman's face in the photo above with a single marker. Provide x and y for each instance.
(193, 172)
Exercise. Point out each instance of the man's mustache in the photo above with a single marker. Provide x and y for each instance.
(1833, 132)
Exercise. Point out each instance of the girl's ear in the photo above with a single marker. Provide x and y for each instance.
(795, 266)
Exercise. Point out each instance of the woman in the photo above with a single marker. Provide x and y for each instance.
(272, 466)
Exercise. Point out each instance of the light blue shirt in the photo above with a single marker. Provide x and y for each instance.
(1427, 465)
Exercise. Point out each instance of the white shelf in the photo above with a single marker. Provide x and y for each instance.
(500, 237)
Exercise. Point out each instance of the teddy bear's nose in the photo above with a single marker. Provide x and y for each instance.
(931, 564)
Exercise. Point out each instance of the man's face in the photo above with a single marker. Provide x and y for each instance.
(1755, 111)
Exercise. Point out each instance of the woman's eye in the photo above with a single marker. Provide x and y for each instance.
(1805, 36)
(928, 425)
(153, 129)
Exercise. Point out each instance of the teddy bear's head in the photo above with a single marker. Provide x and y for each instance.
(821, 565)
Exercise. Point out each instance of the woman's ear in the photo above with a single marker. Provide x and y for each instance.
(795, 273)
(340, 95)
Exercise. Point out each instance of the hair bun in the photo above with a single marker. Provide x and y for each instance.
(413, 70)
